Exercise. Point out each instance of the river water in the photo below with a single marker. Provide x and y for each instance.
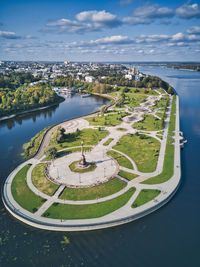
(168, 237)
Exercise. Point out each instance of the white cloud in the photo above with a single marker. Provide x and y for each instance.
(194, 30)
(102, 42)
(137, 20)
(117, 39)
(152, 38)
(85, 21)
(188, 11)
(99, 18)
(9, 35)
(148, 13)
(153, 11)
(178, 37)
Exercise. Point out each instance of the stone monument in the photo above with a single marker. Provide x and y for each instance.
(82, 162)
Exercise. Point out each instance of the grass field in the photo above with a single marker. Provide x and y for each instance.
(145, 196)
(22, 194)
(73, 167)
(134, 100)
(121, 129)
(66, 211)
(107, 120)
(122, 161)
(168, 167)
(172, 117)
(162, 102)
(143, 151)
(88, 136)
(40, 181)
(32, 146)
(68, 151)
(94, 192)
(127, 175)
(108, 142)
(150, 123)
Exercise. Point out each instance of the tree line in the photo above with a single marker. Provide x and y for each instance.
(14, 80)
(27, 98)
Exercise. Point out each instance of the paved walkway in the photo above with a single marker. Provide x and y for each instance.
(106, 169)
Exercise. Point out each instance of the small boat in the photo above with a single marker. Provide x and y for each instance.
(85, 95)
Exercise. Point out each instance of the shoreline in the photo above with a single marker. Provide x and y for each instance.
(109, 220)
(4, 118)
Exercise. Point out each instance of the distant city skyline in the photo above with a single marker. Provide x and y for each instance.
(121, 30)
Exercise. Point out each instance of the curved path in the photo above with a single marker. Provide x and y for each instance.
(125, 213)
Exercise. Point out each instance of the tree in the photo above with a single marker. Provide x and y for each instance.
(103, 109)
(58, 134)
(120, 102)
(170, 91)
(50, 152)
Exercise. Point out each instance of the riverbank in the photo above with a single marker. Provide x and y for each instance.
(31, 110)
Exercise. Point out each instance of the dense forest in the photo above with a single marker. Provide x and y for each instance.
(28, 98)
(15, 80)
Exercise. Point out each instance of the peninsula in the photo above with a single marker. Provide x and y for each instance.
(104, 169)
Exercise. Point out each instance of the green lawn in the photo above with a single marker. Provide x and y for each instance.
(150, 123)
(145, 196)
(66, 211)
(88, 136)
(172, 117)
(68, 151)
(122, 161)
(107, 120)
(168, 167)
(22, 194)
(73, 167)
(32, 146)
(160, 114)
(162, 102)
(94, 192)
(144, 150)
(134, 100)
(41, 182)
(127, 175)
(121, 129)
(108, 142)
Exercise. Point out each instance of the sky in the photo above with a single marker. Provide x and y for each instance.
(89, 30)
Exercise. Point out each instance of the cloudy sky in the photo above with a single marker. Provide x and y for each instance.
(98, 30)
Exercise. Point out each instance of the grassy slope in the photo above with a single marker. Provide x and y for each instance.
(122, 161)
(64, 211)
(150, 123)
(168, 166)
(41, 182)
(145, 196)
(32, 146)
(107, 120)
(144, 152)
(127, 175)
(95, 192)
(108, 142)
(88, 136)
(68, 151)
(73, 167)
(22, 194)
